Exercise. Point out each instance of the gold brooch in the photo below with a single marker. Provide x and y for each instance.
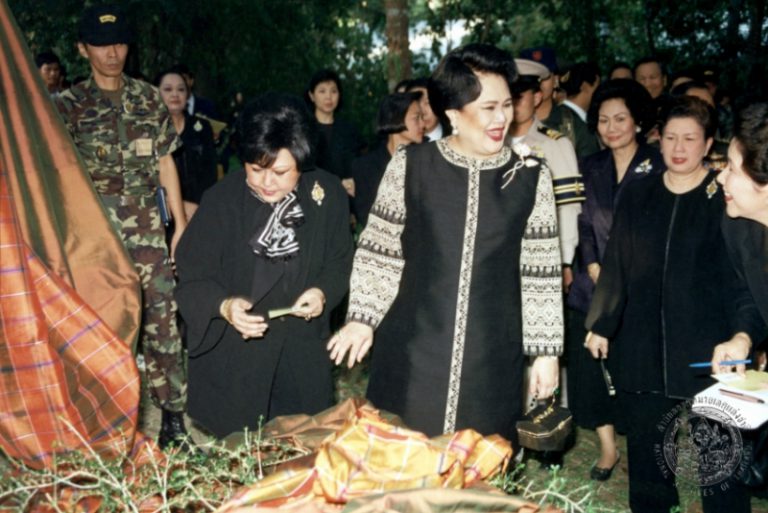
(197, 126)
(711, 189)
(318, 193)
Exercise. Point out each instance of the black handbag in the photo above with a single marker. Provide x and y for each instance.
(546, 427)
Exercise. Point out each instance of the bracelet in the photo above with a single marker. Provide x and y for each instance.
(224, 310)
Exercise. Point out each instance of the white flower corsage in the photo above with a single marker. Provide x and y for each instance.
(524, 151)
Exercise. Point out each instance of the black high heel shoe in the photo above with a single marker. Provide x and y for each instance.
(604, 474)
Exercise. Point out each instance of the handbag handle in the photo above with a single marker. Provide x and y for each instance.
(547, 411)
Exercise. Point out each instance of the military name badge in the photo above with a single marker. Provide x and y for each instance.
(318, 193)
(144, 147)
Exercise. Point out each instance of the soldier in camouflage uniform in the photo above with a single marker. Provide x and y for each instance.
(125, 136)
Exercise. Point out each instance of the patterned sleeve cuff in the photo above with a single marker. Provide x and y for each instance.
(540, 276)
(378, 263)
(363, 318)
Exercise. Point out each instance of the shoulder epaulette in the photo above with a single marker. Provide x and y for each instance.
(550, 132)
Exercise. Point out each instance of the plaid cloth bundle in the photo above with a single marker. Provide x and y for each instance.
(65, 378)
(369, 455)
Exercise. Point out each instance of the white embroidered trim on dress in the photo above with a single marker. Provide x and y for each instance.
(462, 299)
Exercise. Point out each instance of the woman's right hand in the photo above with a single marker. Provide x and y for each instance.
(354, 337)
(597, 345)
(235, 311)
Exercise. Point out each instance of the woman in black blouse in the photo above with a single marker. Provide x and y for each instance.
(621, 114)
(267, 237)
(665, 298)
(340, 141)
(196, 157)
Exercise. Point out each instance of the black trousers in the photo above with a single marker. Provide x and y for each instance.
(651, 481)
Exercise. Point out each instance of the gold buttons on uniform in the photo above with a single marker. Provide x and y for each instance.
(101, 152)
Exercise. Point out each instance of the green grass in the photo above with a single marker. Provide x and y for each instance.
(204, 480)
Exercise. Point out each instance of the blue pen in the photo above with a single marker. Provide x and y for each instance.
(701, 365)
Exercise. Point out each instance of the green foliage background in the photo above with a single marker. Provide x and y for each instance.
(258, 45)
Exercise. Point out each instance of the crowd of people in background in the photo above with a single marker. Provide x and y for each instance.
(509, 212)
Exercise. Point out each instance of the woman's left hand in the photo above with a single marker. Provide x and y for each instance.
(735, 349)
(310, 304)
(544, 377)
(349, 186)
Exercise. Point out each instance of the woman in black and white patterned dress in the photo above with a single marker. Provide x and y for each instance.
(458, 269)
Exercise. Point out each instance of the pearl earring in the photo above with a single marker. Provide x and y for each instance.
(454, 128)
(637, 129)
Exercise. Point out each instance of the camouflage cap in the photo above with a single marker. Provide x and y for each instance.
(104, 25)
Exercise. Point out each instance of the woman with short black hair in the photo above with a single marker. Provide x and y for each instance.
(458, 269)
(745, 184)
(267, 240)
(400, 122)
(339, 140)
(666, 296)
(196, 157)
(620, 114)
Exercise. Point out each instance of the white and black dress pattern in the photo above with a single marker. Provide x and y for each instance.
(458, 271)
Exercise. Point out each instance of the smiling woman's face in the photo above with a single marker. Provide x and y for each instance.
(483, 123)
(743, 196)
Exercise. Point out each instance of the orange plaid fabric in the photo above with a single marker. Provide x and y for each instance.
(369, 455)
(65, 378)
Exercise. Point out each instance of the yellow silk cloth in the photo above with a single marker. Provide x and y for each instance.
(370, 455)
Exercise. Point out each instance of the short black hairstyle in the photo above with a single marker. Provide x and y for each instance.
(392, 111)
(454, 83)
(173, 70)
(46, 58)
(402, 86)
(619, 65)
(750, 133)
(682, 89)
(526, 83)
(635, 97)
(275, 121)
(647, 60)
(417, 83)
(323, 75)
(576, 75)
(694, 108)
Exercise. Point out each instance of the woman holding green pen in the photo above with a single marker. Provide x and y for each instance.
(267, 240)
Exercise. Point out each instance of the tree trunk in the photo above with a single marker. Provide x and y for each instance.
(399, 57)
